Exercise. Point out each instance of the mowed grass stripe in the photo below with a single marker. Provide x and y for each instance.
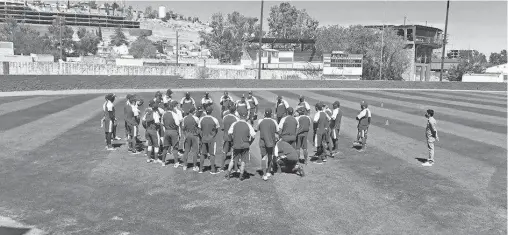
(56, 192)
(389, 143)
(499, 112)
(466, 96)
(24, 103)
(8, 99)
(491, 155)
(316, 207)
(476, 134)
(35, 110)
(501, 96)
(39, 132)
(489, 123)
(203, 200)
(462, 98)
(491, 107)
(470, 173)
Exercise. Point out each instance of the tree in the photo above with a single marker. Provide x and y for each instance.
(25, 39)
(92, 4)
(189, 19)
(228, 36)
(497, 58)
(99, 33)
(285, 21)
(118, 38)
(471, 61)
(66, 45)
(87, 44)
(129, 14)
(148, 11)
(107, 6)
(143, 48)
(366, 41)
(115, 6)
(81, 32)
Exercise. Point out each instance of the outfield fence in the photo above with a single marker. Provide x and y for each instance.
(66, 68)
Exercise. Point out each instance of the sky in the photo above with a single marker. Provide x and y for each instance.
(479, 25)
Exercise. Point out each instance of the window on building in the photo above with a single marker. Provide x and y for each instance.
(400, 32)
(410, 35)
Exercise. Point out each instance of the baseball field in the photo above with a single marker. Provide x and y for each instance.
(57, 177)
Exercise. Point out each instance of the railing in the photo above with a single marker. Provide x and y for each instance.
(428, 40)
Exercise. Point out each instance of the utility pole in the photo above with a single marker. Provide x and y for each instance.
(177, 48)
(383, 43)
(61, 46)
(444, 40)
(260, 52)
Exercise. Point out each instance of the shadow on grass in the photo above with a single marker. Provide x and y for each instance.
(422, 160)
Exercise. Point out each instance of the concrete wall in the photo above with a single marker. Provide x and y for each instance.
(47, 68)
(483, 78)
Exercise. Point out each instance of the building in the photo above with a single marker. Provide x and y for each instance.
(6, 48)
(162, 12)
(341, 65)
(435, 65)
(497, 73)
(421, 41)
(24, 12)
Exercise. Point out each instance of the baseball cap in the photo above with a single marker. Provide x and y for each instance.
(192, 110)
(175, 103)
(209, 109)
(302, 97)
(301, 110)
(158, 93)
(128, 97)
(290, 110)
(200, 107)
(169, 92)
(279, 97)
(243, 114)
(364, 104)
(268, 112)
(232, 109)
(250, 92)
(151, 103)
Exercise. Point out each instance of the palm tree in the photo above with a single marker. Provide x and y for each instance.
(115, 6)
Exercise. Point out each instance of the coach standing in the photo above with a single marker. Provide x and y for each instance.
(431, 133)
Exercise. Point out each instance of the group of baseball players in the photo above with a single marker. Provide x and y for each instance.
(187, 129)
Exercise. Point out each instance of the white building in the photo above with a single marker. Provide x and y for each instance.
(497, 73)
(162, 12)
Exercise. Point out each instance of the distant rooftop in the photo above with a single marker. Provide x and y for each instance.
(423, 27)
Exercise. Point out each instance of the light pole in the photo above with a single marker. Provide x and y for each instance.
(260, 41)
(444, 41)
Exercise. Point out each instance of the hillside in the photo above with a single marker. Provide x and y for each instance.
(188, 32)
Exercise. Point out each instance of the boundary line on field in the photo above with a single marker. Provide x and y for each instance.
(104, 91)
